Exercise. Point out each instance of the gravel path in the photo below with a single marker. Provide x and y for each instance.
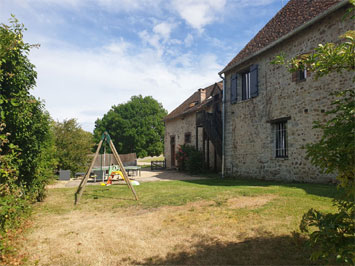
(146, 176)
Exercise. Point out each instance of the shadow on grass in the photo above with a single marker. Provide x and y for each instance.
(265, 250)
(323, 190)
(105, 193)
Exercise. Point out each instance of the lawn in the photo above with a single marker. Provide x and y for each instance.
(204, 222)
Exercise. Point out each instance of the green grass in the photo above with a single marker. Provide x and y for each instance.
(294, 198)
(149, 159)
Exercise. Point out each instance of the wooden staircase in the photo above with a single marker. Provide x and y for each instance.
(212, 124)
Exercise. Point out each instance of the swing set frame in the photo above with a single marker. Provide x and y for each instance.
(104, 138)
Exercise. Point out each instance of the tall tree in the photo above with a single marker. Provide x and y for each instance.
(25, 120)
(73, 145)
(136, 126)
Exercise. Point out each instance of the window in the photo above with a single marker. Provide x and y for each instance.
(299, 75)
(302, 74)
(249, 84)
(281, 139)
(188, 137)
(246, 85)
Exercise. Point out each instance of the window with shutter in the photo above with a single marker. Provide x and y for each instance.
(250, 83)
(234, 88)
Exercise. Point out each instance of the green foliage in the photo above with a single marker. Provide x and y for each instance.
(73, 145)
(189, 159)
(333, 234)
(13, 203)
(26, 148)
(22, 113)
(325, 59)
(136, 126)
(334, 153)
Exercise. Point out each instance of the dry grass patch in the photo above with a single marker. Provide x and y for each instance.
(188, 223)
(250, 202)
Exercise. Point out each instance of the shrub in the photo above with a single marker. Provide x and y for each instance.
(189, 159)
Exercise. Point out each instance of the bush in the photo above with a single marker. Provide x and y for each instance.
(189, 159)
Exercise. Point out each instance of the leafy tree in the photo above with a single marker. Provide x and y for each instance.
(136, 126)
(26, 143)
(27, 123)
(333, 234)
(73, 145)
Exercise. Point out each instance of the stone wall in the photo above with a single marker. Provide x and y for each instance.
(178, 127)
(250, 137)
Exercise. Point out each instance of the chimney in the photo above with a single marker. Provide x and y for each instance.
(202, 94)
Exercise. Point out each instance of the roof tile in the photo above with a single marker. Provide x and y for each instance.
(186, 107)
(291, 16)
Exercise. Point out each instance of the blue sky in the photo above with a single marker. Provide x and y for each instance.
(99, 53)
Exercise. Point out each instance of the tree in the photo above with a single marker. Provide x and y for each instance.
(73, 145)
(136, 126)
(26, 141)
(27, 124)
(332, 235)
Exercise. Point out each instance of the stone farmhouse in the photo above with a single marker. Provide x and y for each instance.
(197, 122)
(269, 112)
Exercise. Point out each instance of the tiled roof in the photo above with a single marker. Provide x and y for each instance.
(186, 107)
(293, 15)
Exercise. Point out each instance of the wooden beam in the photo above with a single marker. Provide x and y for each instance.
(83, 182)
(126, 178)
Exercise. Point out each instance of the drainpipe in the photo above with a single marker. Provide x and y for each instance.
(223, 120)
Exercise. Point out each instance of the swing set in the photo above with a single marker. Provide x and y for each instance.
(105, 138)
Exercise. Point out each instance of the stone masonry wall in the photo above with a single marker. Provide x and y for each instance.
(250, 138)
(178, 127)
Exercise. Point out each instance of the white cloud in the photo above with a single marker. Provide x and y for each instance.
(199, 13)
(85, 84)
(163, 29)
(189, 40)
(246, 3)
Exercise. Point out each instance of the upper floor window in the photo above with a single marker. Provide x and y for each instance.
(244, 85)
(302, 74)
(299, 75)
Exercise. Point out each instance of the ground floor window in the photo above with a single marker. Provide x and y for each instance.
(281, 139)
(187, 137)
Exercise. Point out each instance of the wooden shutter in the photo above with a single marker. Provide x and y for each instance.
(254, 85)
(233, 88)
